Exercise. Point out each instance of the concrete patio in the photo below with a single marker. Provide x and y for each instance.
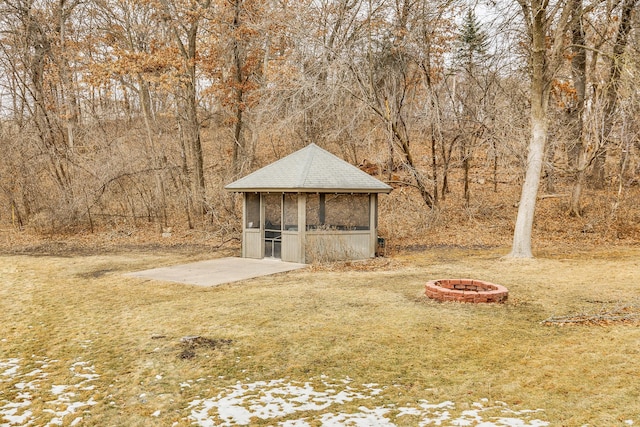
(217, 271)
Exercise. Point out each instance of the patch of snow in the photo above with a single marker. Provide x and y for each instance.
(59, 400)
(404, 411)
(266, 400)
(58, 389)
(34, 373)
(269, 400)
(17, 420)
(11, 367)
(365, 418)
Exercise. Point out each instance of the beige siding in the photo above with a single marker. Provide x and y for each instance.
(252, 243)
(337, 245)
(291, 250)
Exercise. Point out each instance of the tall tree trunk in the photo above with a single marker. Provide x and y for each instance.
(495, 165)
(597, 177)
(239, 148)
(549, 169)
(67, 91)
(579, 76)
(544, 60)
(524, 222)
(197, 157)
(576, 152)
(194, 123)
(434, 168)
(535, 14)
(157, 158)
(50, 134)
(188, 51)
(465, 152)
(436, 132)
(400, 133)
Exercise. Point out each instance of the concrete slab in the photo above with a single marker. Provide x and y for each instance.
(217, 271)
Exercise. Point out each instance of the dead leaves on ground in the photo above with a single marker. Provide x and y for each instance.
(620, 314)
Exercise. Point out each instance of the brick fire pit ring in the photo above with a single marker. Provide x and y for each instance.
(465, 290)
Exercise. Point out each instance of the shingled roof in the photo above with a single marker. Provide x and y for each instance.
(311, 170)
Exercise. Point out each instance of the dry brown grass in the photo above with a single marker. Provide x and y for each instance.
(370, 324)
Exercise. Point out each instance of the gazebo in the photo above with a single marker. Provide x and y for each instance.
(309, 206)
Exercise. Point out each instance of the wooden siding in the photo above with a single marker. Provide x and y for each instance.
(252, 243)
(337, 245)
(291, 251)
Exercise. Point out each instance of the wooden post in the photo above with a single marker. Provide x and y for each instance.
(302, 226)
(262, 218)
(244, 225)
(373, 224)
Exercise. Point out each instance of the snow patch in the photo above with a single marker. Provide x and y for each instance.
(60, 400)
(270, 400)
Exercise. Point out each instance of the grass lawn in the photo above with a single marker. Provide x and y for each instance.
(81, 344)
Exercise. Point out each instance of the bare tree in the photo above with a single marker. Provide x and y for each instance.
(402, 60)
(129, 30)
(183, 22)
(576, 152)
(237, 56)
(541, 20)
(36, 43)
(470, 92)
(592, 144)
(611, 88)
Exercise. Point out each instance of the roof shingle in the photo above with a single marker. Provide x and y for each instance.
(310, 169)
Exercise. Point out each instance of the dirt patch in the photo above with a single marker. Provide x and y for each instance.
(190, 344)
(97, 273)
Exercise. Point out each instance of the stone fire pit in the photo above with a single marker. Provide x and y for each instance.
(465, 290)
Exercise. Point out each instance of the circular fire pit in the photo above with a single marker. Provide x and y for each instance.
(465, 290)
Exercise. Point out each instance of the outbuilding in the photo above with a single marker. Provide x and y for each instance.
(309, 206)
